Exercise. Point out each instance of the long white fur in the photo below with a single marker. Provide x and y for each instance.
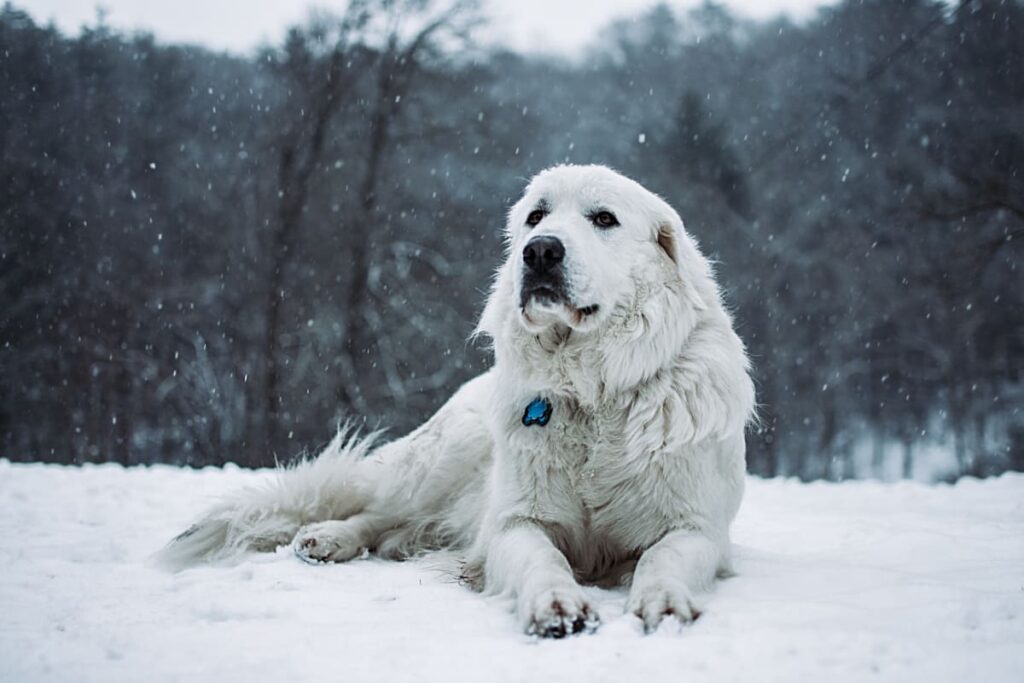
(637, 476)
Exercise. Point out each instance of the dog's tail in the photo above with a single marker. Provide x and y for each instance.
(334, 485)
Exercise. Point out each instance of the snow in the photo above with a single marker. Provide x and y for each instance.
(835, 582)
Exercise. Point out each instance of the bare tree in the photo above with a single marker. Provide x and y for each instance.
(398, 64)
(316, 65)
(387, 41)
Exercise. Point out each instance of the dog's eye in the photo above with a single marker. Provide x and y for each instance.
(605, 219)
(535, 217)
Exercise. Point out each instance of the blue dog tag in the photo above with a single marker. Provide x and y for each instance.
(538, 412)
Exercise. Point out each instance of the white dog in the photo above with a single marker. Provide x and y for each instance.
(606, 443)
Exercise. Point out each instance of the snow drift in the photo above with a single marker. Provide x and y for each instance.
(837, 582)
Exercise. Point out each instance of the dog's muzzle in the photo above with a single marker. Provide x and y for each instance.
(543, 276)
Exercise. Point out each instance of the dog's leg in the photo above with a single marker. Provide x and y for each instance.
(522, 561)
(668, 573)
(339, 540)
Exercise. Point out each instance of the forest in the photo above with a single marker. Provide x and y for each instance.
(208, 257)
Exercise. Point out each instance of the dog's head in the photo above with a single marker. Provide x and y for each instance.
(601, 292)
(580, 240)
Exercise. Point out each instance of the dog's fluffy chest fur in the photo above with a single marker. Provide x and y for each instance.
(605, 474)
(575, 475)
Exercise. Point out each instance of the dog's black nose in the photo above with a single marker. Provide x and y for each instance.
(541, 254)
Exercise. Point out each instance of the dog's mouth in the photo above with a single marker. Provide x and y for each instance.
(542, 301)
(541, 294)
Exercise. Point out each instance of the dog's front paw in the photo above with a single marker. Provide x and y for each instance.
(560, 613)
(653, 603)
(327, 542)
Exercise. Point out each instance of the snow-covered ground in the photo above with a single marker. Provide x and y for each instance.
(851, 582)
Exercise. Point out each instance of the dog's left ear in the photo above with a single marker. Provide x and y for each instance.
(667, 240)
(684, 252)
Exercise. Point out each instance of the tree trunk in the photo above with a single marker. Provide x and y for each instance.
(358, 339)
(958, 424)
(908, 458)
(827, 436)
(295, 169)
(294, 188)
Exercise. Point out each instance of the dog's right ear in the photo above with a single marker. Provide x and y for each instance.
(494, 313)
(496, 310)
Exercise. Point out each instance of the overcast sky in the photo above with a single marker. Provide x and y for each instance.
(240, 25)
